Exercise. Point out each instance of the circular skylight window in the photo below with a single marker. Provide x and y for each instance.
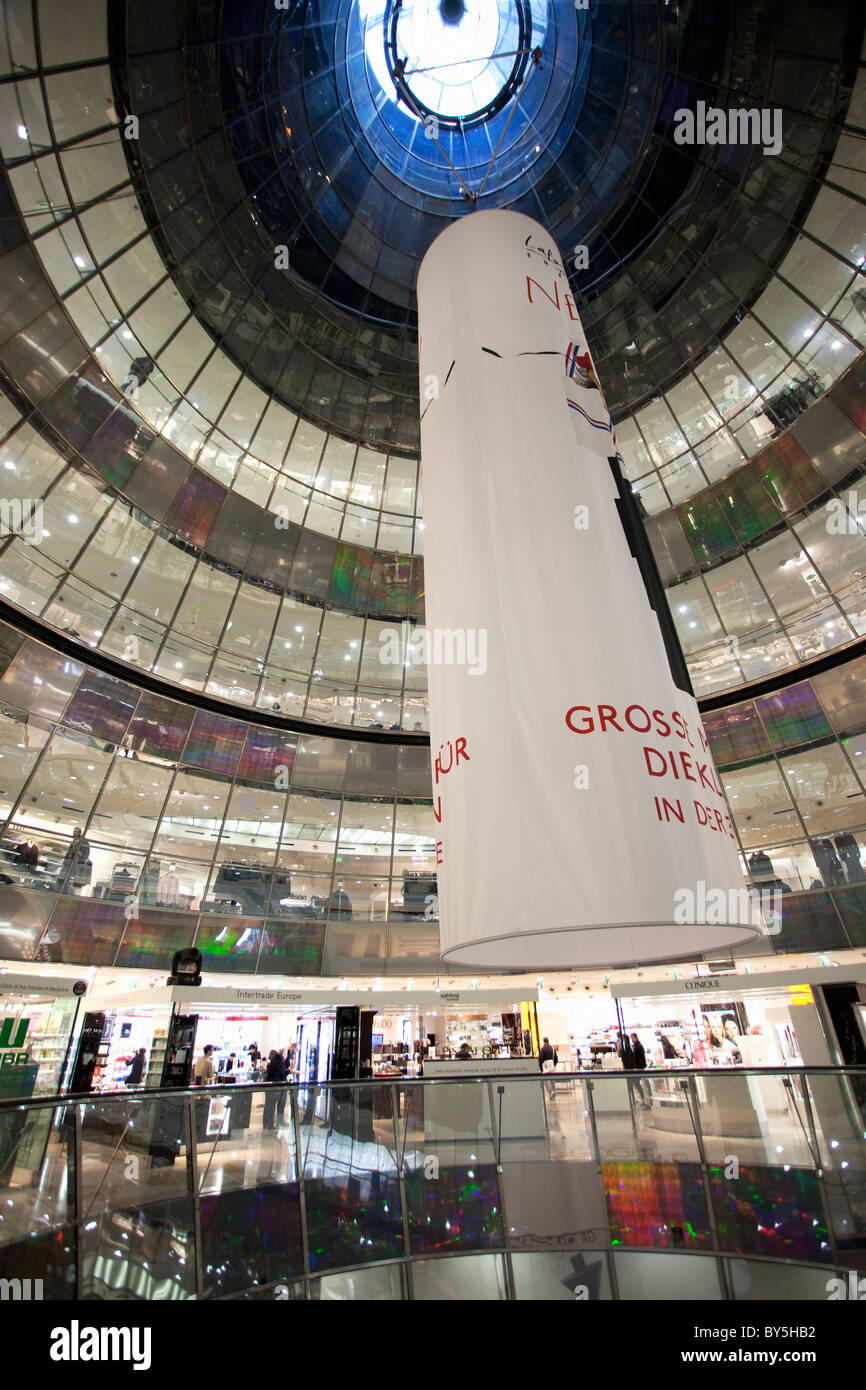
(458, 61)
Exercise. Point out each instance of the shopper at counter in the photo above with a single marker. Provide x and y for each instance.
(136, 1071)
(275, 1076)
(202, 1074)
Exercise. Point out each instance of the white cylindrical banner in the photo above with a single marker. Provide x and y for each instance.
(580, 819)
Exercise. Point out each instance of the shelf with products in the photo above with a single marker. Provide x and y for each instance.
(102, 1055)
(391, 1059)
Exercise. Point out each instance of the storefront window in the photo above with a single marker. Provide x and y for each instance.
(761, 806)
(828, 795)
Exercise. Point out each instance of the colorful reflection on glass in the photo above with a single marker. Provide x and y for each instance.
(101, 706)
(159, 726)
(267, 754)
(80, 405)
(117, 448)
(416, 592)
(215, 742)
(793, 715)
(457, 1208)
(228, 944)
(770, 1211)
(661, 1205)
(747, 504)
(736, 735)
(788, 475)
(705, 528)
(251, 1236)
(293, 950)
(83, 932)
(195, 508)
(389, 586)
(350, 582)
(353, 1218)
(151, 940)
(850, 395)
(851, 904)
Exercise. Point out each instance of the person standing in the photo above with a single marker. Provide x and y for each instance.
(284, 1055)
(202, 1074)
(73, 870)
(136, 1071)
(547, 1062)
(275, 1076)
(639, 1064)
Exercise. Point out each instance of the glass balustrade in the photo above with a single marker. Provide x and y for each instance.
(576, 1185)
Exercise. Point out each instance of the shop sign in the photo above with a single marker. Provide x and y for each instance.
(52, 986)
(733, 984)
(261, 996)
(10, 1056)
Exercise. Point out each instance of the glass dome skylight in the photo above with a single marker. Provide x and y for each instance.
(459, 61)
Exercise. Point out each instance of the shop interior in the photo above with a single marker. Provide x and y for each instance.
(402, 1038)
(743, 1022)
(36, 1029)
(751, 1027)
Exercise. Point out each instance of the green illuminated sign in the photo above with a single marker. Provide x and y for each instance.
(9, 1045)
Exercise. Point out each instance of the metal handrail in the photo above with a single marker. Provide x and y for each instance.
(587, 1074)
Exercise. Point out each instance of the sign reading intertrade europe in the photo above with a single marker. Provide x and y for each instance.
(574, 793)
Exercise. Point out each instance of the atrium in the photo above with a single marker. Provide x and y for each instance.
(394, 383)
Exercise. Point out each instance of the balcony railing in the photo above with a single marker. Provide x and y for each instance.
(722, 1184)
